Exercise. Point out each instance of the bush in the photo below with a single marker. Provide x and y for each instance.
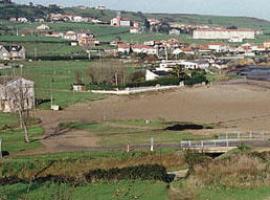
(196, 78)
(142, 172)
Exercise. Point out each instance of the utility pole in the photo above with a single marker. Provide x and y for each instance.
(1, 156)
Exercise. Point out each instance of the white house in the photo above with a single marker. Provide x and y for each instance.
(119, 21)
(138, 48)
(134, 30)
(123, 48)
(151, 75)
(80, 19)
(174, 31)
(15, 92)
(43, 27)
(70, 35)
(12, 52)
(236, 40)
(22, 20)
(218, 47)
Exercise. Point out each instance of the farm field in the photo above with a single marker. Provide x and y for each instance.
(145, 190)
(58, 77)
(121, 133)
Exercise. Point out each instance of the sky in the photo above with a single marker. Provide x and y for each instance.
(251, 8)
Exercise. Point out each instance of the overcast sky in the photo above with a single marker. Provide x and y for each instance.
(252, 8)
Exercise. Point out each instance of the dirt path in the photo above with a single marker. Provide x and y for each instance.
(233, 106)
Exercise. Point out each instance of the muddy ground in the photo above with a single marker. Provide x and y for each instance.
(231, 106)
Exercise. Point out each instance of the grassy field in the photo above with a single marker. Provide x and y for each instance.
(260, 193)
(58, 76)
(13, 140)
(118, 133)
(124, 190)
(12, 135)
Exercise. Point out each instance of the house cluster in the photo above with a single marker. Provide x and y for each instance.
(83, 38)
(119, 21)
(12, 52)
(166, 67)
(58, 17)
(80, 38)
(16, 93)
(157, 48)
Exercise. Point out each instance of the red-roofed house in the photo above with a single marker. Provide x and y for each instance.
(140, 48)
(123, 48)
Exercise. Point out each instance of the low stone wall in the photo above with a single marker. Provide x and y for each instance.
(129, 91)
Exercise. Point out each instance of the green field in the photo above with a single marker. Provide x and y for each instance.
(124, 190)
(13, 140)
(58, 77)
(260, 193)
(120, 133)
(12, 136)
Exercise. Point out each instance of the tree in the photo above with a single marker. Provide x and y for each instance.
(19, 93)
(111, 73)
(180, 73)
(146, 25)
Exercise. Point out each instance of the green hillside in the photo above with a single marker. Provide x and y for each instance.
(32, 12)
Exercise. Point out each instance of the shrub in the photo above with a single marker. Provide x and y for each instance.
(142, 172)
(237, 171)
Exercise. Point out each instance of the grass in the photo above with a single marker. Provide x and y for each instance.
(12, 136)
(260, 193)
(8, 120)
(118, 133)
(144, 190)
(74, 164)
(58, 76)
(13, 140)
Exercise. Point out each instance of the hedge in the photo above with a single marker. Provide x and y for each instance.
(142, 172)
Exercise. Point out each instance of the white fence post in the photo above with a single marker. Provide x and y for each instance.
(202, 144)
(152, 144)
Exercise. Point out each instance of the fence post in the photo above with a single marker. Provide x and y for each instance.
(1, 156)
(202, 143)
(127, 148)
(250, 134)
(152, 144)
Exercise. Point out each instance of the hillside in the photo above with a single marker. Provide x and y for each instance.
(245, 22)
(32, 12)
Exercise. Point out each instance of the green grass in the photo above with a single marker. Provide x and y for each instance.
(8, 120)
(133, 132)
(13, 139)
(124, 190)
(58, 75)
(261, 193)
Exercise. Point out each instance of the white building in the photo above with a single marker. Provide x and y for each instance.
(123, 48)
(174, 31)
(138, 48)
(43, 27)
(22, 20)
(226, 34)
(134, 30)
(151, 75)
(236, 40)
(218, 47)
(15, 92)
